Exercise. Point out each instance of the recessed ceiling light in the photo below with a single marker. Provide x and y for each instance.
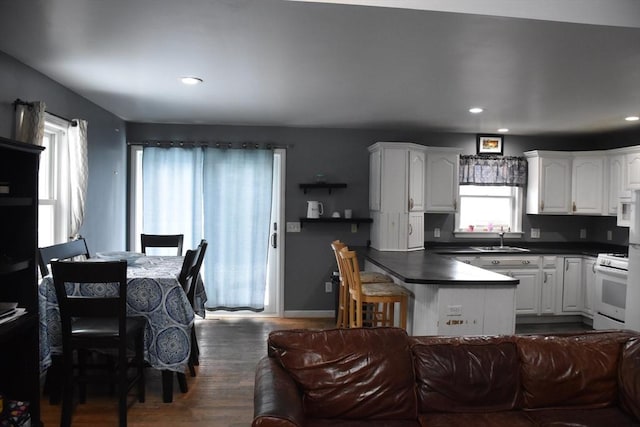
(191, 80)
(632, 118)
(503, 130)
(475, 110)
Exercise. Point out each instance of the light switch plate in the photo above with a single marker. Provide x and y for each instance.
(535, 233)
(436, 232)
(293, 227)
(583, 233)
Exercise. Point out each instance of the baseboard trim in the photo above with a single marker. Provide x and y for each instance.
(309, 313)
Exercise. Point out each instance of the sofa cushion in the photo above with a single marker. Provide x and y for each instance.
(602, 417)
(569, 371)
(466, 374)
(629, 377)
(350, 373)
(491, 419)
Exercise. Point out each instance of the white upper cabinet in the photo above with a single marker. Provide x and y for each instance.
(587, 184)
(375, 180)
(396, 195)
(416, 180)
(549, 182)
(632, 162)
(616, 163)
(441, 181)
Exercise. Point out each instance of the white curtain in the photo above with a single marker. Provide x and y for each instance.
(72, 161)
(78, 175)
(30, 122)
(237, 204)
(172, 193)
(224, 196)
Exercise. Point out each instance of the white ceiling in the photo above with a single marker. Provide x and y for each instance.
(308, 63)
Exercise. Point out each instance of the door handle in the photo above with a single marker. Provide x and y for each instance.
(274, 240)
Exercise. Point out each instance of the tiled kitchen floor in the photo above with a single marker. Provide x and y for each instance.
(551, 327)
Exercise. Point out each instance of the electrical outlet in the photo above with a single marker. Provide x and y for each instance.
(454, 310)
(609, 235)
(328, 287)
(354, 228)
(535, 233)
(293, 227)
(436, 232)
(583, 233)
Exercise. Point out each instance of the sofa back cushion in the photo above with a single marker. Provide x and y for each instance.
(350, 373)
(629, 377)
(466, 374)
(570, 371)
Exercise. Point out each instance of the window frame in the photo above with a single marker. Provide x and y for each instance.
(516, 213)
(54, 164)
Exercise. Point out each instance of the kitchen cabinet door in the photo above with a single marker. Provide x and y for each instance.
(549, 183)
(528, 291)
(589, 285)
(416, 180)
(548, 291)
(632, 172)
(441, 181)
(415, 239)
(616, 182)
(587, 180)
(375, 177)
(572, 285)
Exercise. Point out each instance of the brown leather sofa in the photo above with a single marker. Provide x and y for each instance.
(381, 377)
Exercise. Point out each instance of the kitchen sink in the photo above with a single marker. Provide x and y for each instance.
(499, 249)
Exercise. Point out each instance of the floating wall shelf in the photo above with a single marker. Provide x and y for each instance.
(318, 185)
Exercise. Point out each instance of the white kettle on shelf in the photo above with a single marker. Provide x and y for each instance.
(314, 209)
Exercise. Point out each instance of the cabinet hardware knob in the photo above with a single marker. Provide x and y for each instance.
(574, 206)
(410, 229)
(541, 206)
(545, 277)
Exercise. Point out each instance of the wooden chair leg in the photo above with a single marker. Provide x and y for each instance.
(403, 312)
(67, 393)
(167, 386)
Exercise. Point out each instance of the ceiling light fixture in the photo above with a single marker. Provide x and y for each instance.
(503, 130)
(475, 110)
(191, 80)
(632, 118)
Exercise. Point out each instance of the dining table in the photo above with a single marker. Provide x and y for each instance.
(154, 292)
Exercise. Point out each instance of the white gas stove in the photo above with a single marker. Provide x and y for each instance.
(611, 291)
(618, 261)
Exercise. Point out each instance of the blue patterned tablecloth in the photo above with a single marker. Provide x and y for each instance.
(154, 292)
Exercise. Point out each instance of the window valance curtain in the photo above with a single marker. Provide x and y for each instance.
(493, 170)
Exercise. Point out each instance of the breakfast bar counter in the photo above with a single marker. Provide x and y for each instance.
(448, 297)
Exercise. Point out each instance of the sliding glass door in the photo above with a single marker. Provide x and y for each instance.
(232, 198)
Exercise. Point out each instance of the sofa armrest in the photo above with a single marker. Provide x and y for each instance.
(629, 377)
(277, 402)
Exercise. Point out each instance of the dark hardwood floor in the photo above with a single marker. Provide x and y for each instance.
(221, 395)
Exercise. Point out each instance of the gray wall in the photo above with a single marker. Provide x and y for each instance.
(341, 154)
(106, 208)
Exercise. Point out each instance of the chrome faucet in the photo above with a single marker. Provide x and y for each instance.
(501, 234)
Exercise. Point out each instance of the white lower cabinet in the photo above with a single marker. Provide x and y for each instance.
(548, 285)
(528, 291)
(524, 268)
(572, 285)
(589, 285)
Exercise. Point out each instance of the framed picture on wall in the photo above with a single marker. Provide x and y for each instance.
(490, 144)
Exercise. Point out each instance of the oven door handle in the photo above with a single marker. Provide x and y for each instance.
(610, 271)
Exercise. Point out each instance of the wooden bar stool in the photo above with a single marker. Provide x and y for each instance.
(380, 298)
(342, 320)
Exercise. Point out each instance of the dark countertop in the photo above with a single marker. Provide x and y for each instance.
(430, 268)
(535, 248)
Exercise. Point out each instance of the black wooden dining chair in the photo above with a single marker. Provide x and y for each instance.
(191, 285)
(97, 323)
(61, 251)
(162, 241)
